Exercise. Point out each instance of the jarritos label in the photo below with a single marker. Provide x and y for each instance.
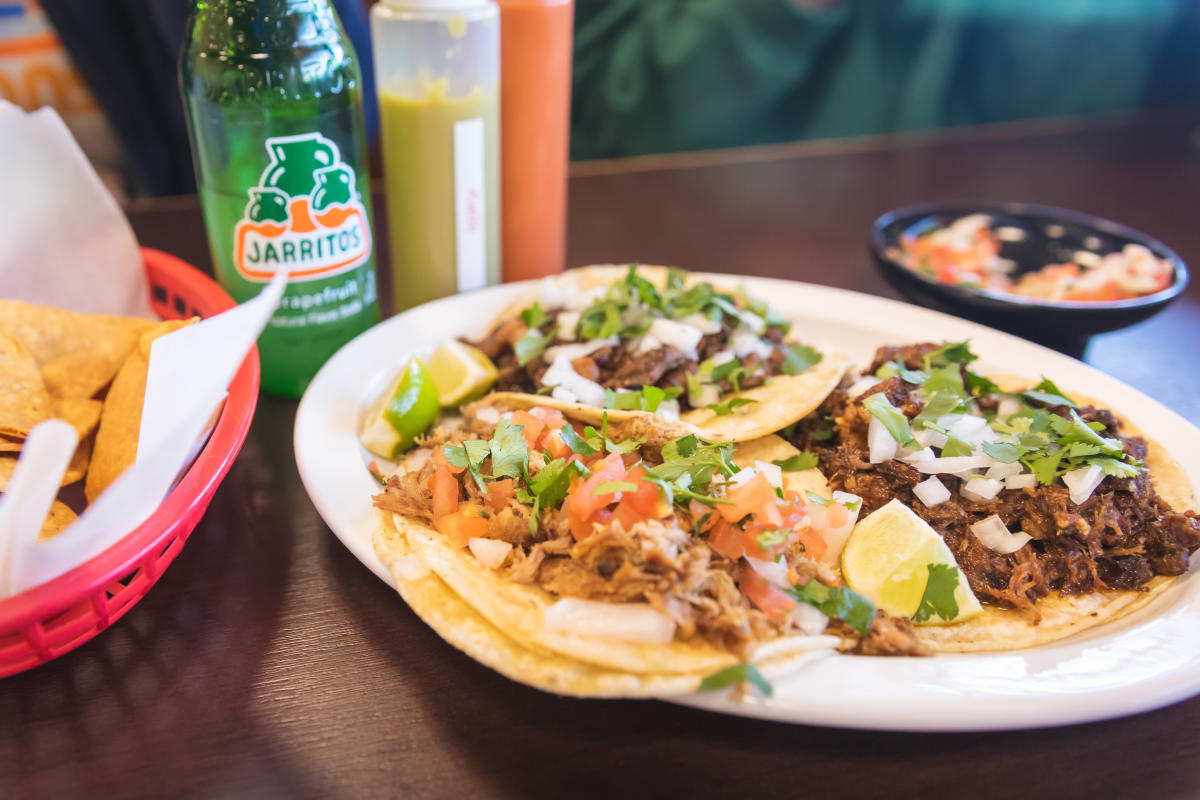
(305, 216)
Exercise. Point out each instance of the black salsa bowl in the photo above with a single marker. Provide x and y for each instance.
(1036, 235)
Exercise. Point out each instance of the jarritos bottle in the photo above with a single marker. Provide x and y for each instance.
(272, 91)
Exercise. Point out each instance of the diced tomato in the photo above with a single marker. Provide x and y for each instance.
(770, 601)
(727, 539)
(532, 427)
(444, 486)
(439, 459)
(627, 515)
(551, 417)
(581, 501)
(756, 496)
(499, 494)
(755, 550)
(553, 441)
(814, 543)
(699, 512)
(645, 499)
(462, 526)
(837, 515)
(583, 527)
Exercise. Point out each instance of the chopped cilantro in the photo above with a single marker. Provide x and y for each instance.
(825, 432)
(938, 597)
(469, 454)
(1046, 392)
(531, 345)
(725, 370)
(549, 488)
(798, 358)
(727, 407)
(648, 399)
(939, 404)
(510, 456)
(950, 353)
(803, 460)
(898, 367)
(731, 676)
(768, 539)
(577, 443)
(694, 388)
(1004, 452)
(980, 386)
(955, 446)
(612, 487)
(600, 442)
(837, 602)
(600, 320)
(945, 380)
(891, 417)
(534, 316)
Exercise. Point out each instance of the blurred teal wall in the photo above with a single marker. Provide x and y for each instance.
(666, 75)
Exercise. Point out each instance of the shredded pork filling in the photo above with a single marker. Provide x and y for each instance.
(1121, 537)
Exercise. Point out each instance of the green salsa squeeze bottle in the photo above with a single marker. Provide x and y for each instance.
(272, 91)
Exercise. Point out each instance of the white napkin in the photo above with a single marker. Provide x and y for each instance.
(63, 240)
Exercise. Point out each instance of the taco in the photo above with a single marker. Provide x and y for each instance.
(657, 345)
(1059, 515)
(646, 568)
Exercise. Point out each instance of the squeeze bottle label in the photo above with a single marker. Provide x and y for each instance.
(470, 205)
(305, 215)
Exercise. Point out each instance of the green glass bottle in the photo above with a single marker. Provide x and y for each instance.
(272, 91)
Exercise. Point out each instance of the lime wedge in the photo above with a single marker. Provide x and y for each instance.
(461, 372)
(887, 558)
(402, 412)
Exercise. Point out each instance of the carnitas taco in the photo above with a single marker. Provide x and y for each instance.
(585, 566)
(660, 345)
(1058, 515)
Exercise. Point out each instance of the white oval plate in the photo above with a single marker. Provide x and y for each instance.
(1145, 661)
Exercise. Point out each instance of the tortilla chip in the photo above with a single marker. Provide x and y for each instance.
(24, 401)
(782, 400)
(121, 417)
(466, 629)
(82, 413)
(60, 516)
(80, 461)
(78, 353)
(11, 444)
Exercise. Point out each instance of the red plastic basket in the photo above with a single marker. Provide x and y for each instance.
(58, 616)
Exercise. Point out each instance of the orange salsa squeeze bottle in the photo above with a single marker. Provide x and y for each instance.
(437, 69)
(535, 98)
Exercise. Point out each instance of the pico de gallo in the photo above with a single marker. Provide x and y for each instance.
(967, 253)
(730, 555)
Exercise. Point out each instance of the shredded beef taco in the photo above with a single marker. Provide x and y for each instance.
(1057, 513)
(648, 568)
(658, 344)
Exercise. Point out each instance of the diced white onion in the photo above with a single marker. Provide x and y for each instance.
(629, 622)
(1082, 482)
(411, 567)
(563, 375)
(668, 409)
(1007, 407)
(708, 395)
(681, 336)
(967, 427)
(489, 414)
(648, 343)
(772, 472)
(702, 323)
(931, 491)
(847, 499)
(723, 357)
(741, 476)
(753, 321)
(745, 341)
(930, 438)
(1026, 480)
(573, 351)
(1001, 471)
(559, 393)
(773, 572)
(489, 553)
(981, 489)
(952, 464)
(995, 535)
(578, 301)
(881, 444)
(913, 456)
(567, 322)
(808, 619)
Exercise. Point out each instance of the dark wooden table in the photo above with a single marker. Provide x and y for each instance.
(269, 663)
